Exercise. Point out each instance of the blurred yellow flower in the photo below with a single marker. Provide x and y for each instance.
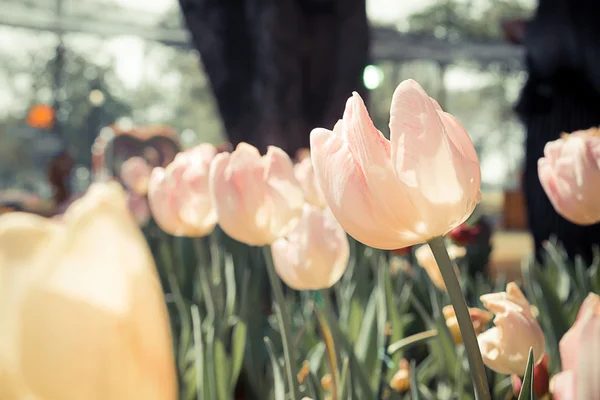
(81, 307)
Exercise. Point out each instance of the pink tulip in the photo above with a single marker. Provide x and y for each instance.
(179, 194)
(314, 254)
(257, 199)
(505, 347)
(394, 194)
(570, 175)
(580, 356)
(308, 182)
(138, 205)
(135, 174)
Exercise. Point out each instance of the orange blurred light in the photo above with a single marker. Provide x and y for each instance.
(41, 116)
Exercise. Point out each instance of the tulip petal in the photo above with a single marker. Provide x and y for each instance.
(84, 317)
(305, 261)
(345, 187)
(570, 176)
(371, 152)
(226, 190)
(163, 202)
(587, 369)
(562, 386)
(283, 191)
(427, 161)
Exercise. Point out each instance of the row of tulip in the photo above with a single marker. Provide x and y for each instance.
(83, 313)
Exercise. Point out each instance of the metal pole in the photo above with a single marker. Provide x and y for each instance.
(58, 69)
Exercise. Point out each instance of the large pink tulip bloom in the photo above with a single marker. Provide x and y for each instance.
(395, 193)
(257, 199)
(580, 356)
(570, 175)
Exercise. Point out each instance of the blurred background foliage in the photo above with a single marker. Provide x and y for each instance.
(122, 60)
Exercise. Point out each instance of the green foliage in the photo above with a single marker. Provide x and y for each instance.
(227, 340)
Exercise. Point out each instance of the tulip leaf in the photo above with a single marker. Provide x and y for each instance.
(278, 385)
(315, 357)
(581, 275)
(238, 347)
(527, 388)
(239, 334)
(230, 286)
(344, 379)
(357, 369)
(594, 271)
(394, 319)
(201, 387)
(414, 383)
(363, 342)
(558, 272)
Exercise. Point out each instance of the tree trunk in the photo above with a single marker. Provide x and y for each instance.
(280, 68)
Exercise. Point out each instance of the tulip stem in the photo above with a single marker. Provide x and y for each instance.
(438, 248)
(284, 322)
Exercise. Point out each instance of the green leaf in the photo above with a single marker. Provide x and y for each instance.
(527, 388)
(364, 342)
(414, 383)
(344, 380)
(278, 385)
(239, 334)
(201, 388)
(222, 368)
(230, 286)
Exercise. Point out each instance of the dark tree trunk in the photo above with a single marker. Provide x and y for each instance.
(280, 68)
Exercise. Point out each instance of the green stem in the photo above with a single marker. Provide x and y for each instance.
(457, 299)
(284, 322)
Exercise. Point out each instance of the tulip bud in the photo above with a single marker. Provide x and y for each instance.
(314, 254)
(135, 174)
(480, 318)
(138, 205)
(570, 175)
(401, 380)
(82, 311)
(306, 177)
(326, 382)
(304, 371)
(257, 199)
(427, 261)
(505, 347)
(395, 193)
(179, 194)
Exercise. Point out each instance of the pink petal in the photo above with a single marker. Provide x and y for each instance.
(283, 191)
(163, 202)
(227, 187)
(562, 386)
(425, 159)
(349, 196)
(371, 152)
(587, 372)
